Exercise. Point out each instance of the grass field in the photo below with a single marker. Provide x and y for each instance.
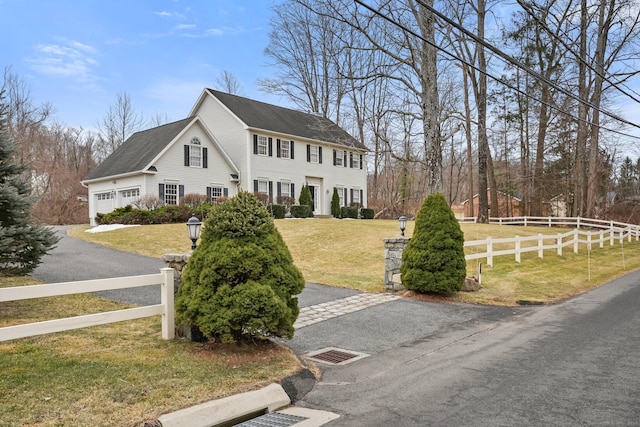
(350, 253)
(120, 374)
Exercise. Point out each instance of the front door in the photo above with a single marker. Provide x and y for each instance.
(315, 187)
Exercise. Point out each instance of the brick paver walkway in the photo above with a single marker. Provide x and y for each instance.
(327, 310)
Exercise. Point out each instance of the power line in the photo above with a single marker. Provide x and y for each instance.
(500, 80)
(523, 67)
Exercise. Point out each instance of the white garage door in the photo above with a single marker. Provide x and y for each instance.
(104, 202)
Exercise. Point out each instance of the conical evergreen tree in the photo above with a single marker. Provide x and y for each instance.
(335, 203)
(22, 243)
(434, 258)
(241, 279)
(305, 198)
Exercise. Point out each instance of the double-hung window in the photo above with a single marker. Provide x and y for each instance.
(285, 149)
(285, 189)
(342, 192)
(263, 186)
(195, 153)
(314, 156)
(263, 145)
(355, 161)
(216, 193)
(171, 194)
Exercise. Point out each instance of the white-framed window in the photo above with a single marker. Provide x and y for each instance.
(104, 196)
(263, 145)
(170, 194)
(338, 157)
(130, 194)
(285, 189)
(314, 154)
(285, 149)
(355, 196)
(341, 195)
(355, 161)
(263, 186)
(195, 153)
(216, 193)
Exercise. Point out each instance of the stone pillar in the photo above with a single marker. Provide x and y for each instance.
(177, 262)
(392, 261)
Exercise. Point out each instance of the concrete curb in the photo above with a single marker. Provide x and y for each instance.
(267, 399)
(216, 412)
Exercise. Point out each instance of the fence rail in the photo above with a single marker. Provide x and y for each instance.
(165, 308)
(587, 232)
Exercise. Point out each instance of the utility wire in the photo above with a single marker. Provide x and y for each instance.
(542, 24)
(523, 67)
(497, 79)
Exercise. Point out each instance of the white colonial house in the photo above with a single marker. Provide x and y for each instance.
(230, 144)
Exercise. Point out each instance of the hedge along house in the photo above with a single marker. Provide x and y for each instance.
(229, 144)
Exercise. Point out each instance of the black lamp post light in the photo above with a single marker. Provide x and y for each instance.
(193, 226)
(403, 224)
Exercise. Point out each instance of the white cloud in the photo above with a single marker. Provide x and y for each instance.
(70, 58)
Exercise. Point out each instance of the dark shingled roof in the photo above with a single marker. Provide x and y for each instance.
(259, 115)
(138, 150)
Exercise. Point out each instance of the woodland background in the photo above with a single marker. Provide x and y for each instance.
(462, 97)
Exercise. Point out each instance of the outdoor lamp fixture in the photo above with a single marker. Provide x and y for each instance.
(403, 224)
(193, 225)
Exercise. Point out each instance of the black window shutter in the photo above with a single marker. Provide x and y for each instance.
(225, 192)
(291, 149)
(361, 159)
(344, 156)
(180, 192)
(278, 147)
(270, 147)
(293, 190)
(351, 195)
(308, 153)
(255, 185)
(161, 192)
(279, 189)
(334, 157)
(351, 160)
(186, 155)
(205, 160)
(344, 192)
(361, 196)
(270, 191)
(255, 144)
(209, 191)
(319, 154)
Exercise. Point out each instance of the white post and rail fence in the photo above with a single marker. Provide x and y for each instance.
(165, 309)
(586, 232)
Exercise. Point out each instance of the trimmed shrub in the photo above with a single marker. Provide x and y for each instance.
(277, 211)
(170, 214)
(335, 203)
(349, 212)
(366, 213)
(305, 199)
(300, 211)
(434, 258)
(240, 281)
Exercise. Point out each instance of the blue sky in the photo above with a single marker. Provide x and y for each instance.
(79, 54)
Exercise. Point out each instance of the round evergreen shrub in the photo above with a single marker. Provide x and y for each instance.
(367, 213)
(349, 212)
(301, 211)
(434, 258)
(277, 211)
(240, 281)
(306, 199)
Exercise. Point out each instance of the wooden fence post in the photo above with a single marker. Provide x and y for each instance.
(559, 244)
(518, 249)
(540, 246)
(167, 301)
(489, 252)
(575, 240)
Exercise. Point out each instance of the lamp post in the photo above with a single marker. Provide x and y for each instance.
(193, 226)
(403, 224)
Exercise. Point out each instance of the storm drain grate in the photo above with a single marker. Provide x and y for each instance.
(336, 356)
(273, 419)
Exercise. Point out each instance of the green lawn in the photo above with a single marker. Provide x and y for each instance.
(350, 253)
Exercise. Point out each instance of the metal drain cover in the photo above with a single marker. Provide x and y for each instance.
(273, 419)
(335, 356)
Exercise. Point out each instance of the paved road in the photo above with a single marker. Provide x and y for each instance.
(75, 259)
(571, 364)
